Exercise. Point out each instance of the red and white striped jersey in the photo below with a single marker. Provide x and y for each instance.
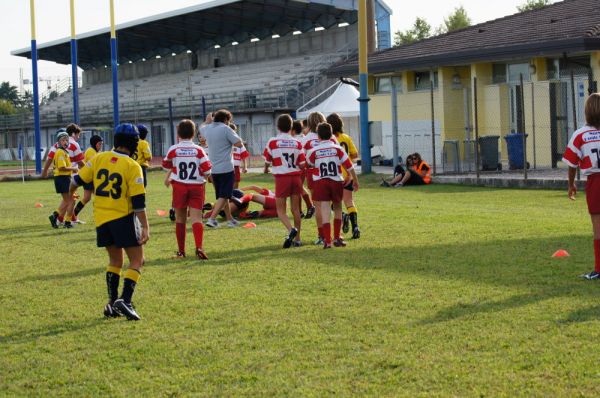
(74, 151)
(311, 139)
(188, 163)
(326, 160)
(238, 154)
(285, 154)
(584, 150)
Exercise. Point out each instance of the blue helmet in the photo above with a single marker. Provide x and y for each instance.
(127, 129)
(143, 131)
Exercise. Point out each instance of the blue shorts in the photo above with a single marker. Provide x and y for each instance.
(223, 184)
(62, 184)
(122, 232)
(88, 187)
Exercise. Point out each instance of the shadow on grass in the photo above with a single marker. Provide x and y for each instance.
(583, 315)
(66, 275)
(25, 336)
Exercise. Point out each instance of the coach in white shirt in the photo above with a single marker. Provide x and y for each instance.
(221, 140)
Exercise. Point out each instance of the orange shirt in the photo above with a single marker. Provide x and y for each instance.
(424, 171)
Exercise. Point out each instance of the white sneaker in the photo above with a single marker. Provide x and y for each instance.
(78, 221)
(212, 223)
(233, 223)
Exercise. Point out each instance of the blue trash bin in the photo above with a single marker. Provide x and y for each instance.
(514, 144)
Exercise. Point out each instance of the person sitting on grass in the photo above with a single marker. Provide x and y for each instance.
(417, 172)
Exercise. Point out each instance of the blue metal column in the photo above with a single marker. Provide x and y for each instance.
(365, 144)
(36, 99)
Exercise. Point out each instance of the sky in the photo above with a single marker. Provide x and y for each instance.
(53, 22)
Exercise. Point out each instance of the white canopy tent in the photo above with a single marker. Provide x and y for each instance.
(343, 101)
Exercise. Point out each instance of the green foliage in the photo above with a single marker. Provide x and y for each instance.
(26, 101)
(457, 20)
(420, 30)
(7, 108)
(451, 291)
(533, 5)
(9, 93)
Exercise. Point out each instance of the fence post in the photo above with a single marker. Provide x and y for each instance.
(523, 127)
(574, 109)
(394, 125)
(476, 118)
(432, 122)
(533, 125)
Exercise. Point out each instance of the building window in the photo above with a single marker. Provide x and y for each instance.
(423, 80)
(383, 84)
(516, 70)
(552, 69)
(499, 73)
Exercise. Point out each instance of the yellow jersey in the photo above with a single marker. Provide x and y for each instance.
(143, 155)
(61, 159)
(89, 154)
(117, 178)
(348, 145)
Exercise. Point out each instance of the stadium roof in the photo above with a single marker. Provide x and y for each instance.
(199, 27)
(570, 26)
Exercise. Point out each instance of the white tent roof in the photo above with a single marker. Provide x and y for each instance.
(343, 101)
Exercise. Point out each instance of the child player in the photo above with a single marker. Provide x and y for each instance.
(76, 158)
(62, 180)
(143, 155)
(286, 157)
(119, 209)
(88, 189)
(297, 132)
(348, 146)
(327, 159)
(240, 159)
(189, 168)
(583, 151)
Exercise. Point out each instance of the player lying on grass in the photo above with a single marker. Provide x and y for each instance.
(583, 151)
(239, 205)
(189, 170)
(327, 160)
(284, 153)
(120, 216)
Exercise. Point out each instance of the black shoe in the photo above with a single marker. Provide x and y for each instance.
(355, 233)
(384, 183)
(53, 221)
(253, 214)
(310, 212)
(172, 214)
(200, 254)
(111, 312)
(591, 276)
(207, 207)
(345, 223)
(288, 241)
(68, 225)
(126, 309)
(302, 215)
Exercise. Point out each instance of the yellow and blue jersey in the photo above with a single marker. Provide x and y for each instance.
(89, 154)
(61, 159)
(143, 153)
(117, 178)
(348, 145)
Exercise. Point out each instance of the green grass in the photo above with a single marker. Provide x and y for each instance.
(451, 291)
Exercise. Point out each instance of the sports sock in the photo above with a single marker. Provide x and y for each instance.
(132, 277)
(80, 205)
(55, 213)
(597, 255)
(68, 218)
(113, 276)
(337, 226)
(180, 233)
(60, 218)
(353, 214)
(327, 233)
(198, 229)
(320, 229)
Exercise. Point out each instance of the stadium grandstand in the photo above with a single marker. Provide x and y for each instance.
(258, 58)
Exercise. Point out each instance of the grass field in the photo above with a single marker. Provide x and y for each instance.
(451, 291)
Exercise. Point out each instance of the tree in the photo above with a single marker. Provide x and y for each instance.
(7, 108)
(420, 30)
(457, 20)
(9, 93)
(26, 100)
(533, 5)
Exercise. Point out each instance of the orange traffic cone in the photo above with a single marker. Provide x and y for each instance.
(249, 225)
(561, 253)
(161, 213)
(38, 205)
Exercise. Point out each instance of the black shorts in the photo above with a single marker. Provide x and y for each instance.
(122, 232)
(62, 184)
(223, 184)
(349, 187)
(415, 179)
(89, 187)
(144, 173)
